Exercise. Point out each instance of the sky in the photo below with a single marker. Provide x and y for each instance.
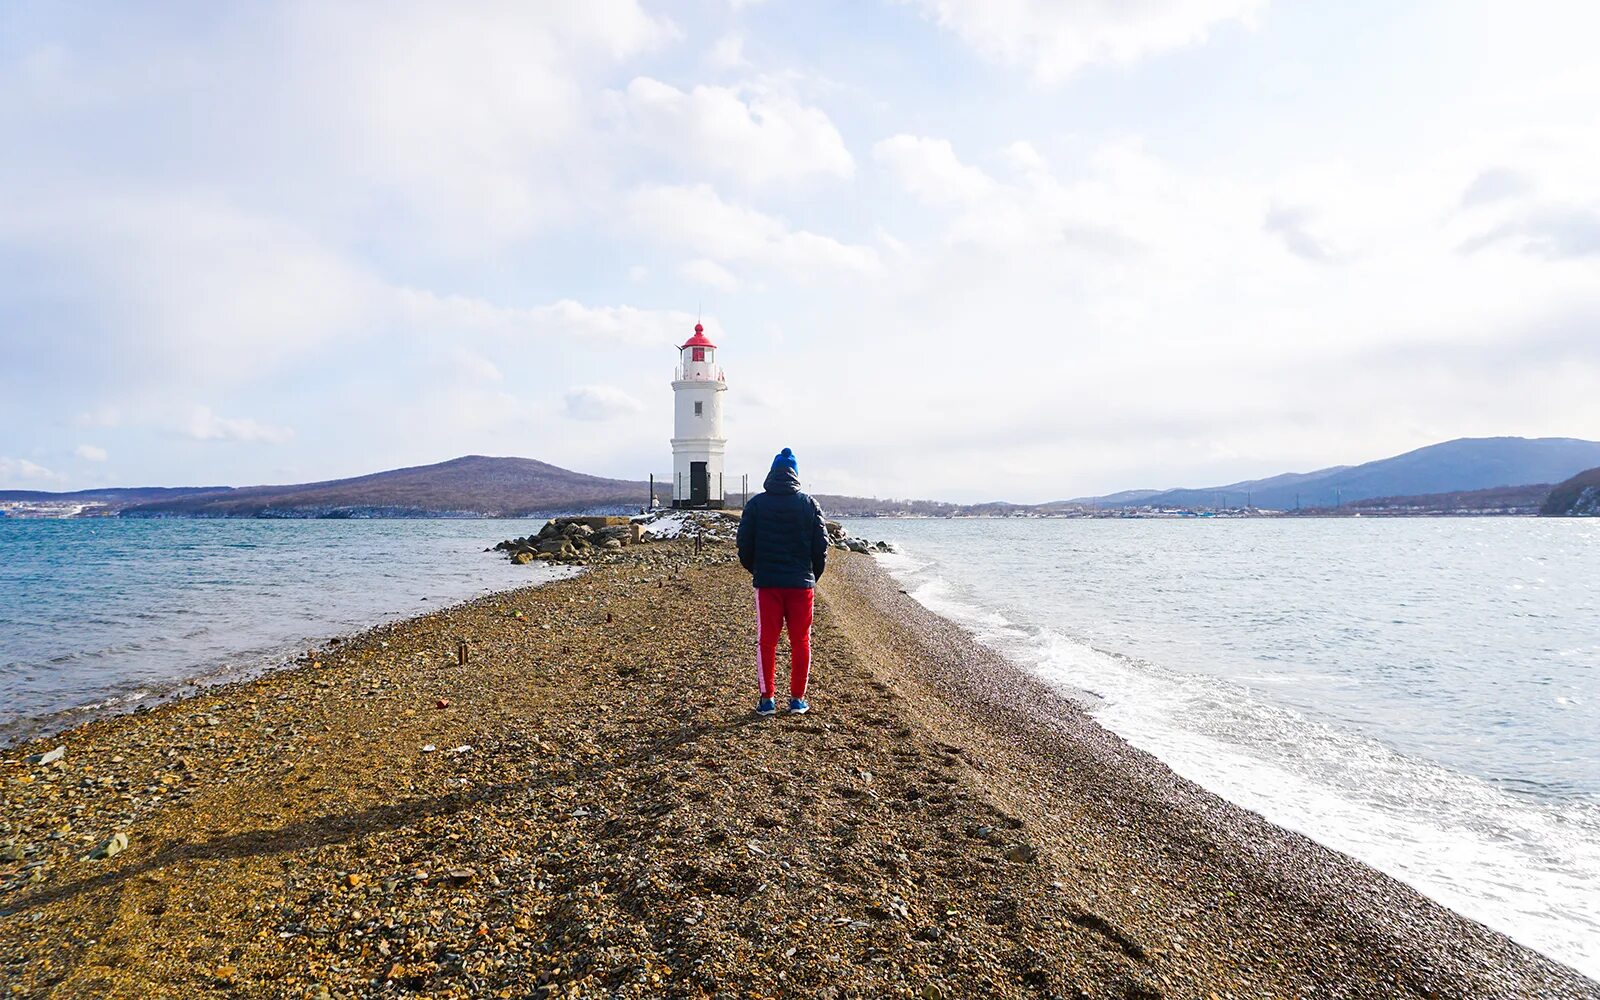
(950, 249)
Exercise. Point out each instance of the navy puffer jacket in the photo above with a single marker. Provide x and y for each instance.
(782, 540)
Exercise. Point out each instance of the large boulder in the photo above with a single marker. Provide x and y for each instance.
(597, 522)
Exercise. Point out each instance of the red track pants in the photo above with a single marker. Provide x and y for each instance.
(776, 606)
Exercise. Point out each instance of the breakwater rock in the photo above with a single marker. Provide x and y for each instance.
(842, 540)
(573, 539)
(589, 539)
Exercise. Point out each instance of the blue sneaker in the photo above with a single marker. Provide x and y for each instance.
(766, 707)
(799, 706)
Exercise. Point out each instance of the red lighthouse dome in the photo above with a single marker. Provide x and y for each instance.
(699, 339)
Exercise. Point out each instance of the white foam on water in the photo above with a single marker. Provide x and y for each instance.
(1528, 869)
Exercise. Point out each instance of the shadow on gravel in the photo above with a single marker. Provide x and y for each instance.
(321, 831)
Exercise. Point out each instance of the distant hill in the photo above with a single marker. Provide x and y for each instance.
(116, 496)
(475, 485)
(1469, 474)
(1113, 499)
(1525, 500)
(1462, 465)
(1577, 497)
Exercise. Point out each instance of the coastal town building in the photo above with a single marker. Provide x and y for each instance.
(697, 438)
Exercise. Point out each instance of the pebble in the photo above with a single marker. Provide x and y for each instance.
(110, 847)
(49, 757)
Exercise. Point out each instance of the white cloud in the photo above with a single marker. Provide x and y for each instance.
(22, 470)
(727, 53)
(697, 217)
(1148, 301)
(1057, 38)
(1494, 184)
(565, 318)
(472, 119)
(1121, 191)
(1291, 225)
(753, 134)
(1553, 232)
(474, 367)
(100, 416)
(930, 171)
(709, 273)
(461, 128)
(1024, 157)
(204, 425)
(600, 402)
(192, 284)
(90, 453)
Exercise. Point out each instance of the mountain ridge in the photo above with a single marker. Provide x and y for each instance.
(470, 485)
(490, 486)
(1455, 466)
(481, 485)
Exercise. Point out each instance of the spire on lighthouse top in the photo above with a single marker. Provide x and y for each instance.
(699, 339)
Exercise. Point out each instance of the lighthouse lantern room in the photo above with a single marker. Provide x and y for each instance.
(697, 439)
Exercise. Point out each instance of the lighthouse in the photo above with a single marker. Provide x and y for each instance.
(697, 440)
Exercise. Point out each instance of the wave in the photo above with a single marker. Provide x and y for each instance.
(1528, 868)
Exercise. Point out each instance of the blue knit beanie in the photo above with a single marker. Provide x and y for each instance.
(785, 460)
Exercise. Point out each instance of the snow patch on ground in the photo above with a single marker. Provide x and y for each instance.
(708, 524)
(666, 524)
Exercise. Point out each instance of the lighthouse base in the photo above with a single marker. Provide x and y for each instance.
(698, 504)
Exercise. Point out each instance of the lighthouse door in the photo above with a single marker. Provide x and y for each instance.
(699, 483)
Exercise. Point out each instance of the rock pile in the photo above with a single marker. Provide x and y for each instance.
(593, 539)
(840, 539)
(709, 525)
(602, 539)
(574, 540)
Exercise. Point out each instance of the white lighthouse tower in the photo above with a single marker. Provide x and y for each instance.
(697, 440)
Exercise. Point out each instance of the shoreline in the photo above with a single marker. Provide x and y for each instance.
(150, 625)
(621, 825)
(43, 727)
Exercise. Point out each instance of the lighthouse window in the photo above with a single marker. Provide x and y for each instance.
(699, 354)
(697, 408)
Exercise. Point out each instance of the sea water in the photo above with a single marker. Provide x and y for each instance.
(103, 614)
(1421, 694)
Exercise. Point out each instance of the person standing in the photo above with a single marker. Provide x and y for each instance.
(784, 544)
